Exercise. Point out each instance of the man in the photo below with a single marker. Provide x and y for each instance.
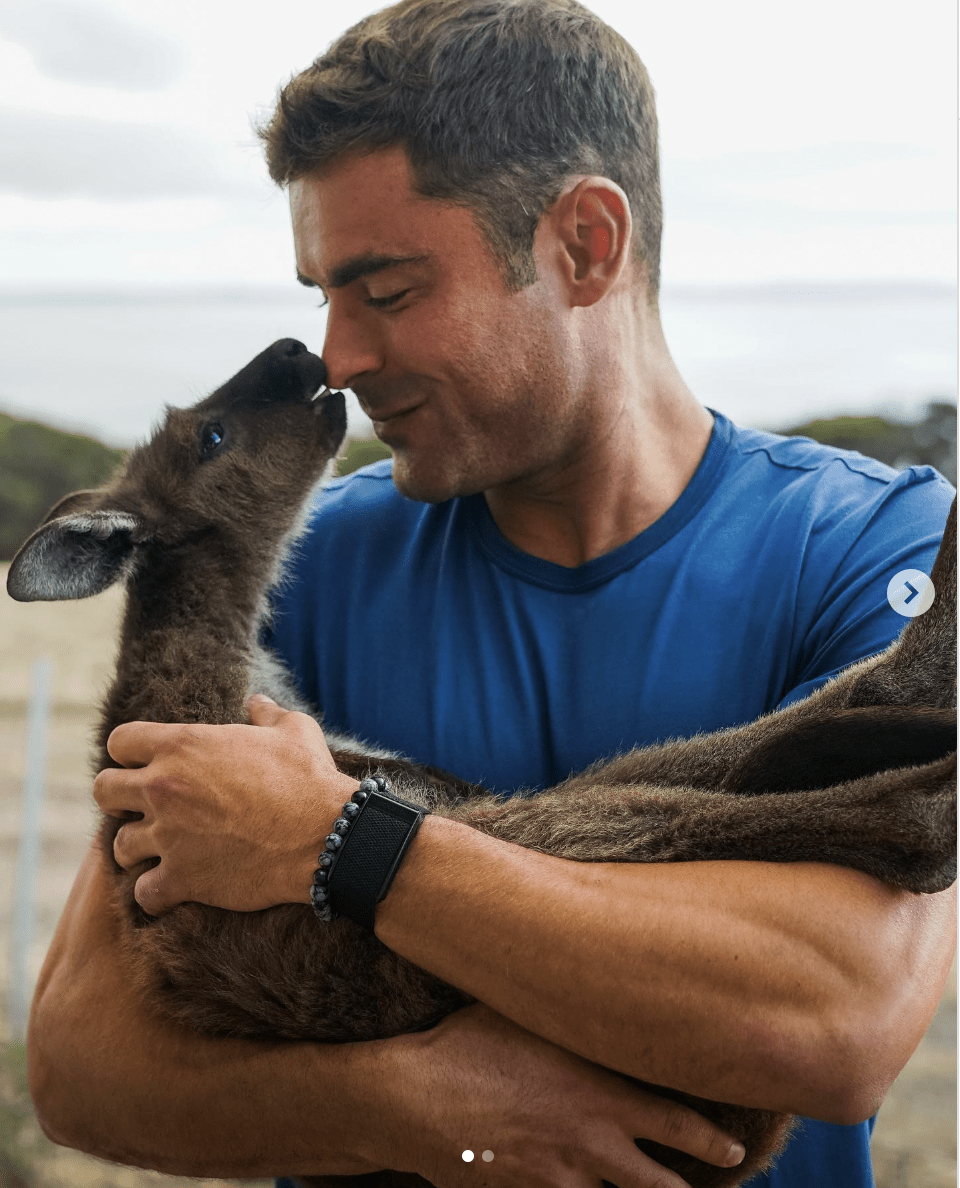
(575, 557)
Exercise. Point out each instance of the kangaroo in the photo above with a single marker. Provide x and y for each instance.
(198, 524)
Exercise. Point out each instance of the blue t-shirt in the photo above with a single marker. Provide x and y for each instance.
(420, 628)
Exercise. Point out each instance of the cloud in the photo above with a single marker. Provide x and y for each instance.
(88, 44)
(837, 184)
(53, 155)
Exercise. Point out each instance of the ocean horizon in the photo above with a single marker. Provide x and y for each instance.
(105, 361)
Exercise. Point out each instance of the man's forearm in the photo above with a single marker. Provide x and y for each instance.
(793, 987)
(111, 1078)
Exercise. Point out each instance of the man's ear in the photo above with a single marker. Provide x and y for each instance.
(595, 230)
(75, 555)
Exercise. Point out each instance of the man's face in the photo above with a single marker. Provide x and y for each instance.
(469, 384)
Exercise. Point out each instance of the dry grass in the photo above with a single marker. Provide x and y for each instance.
(915, 1140)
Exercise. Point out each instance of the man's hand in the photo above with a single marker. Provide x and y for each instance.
(235, 814)
(113, 1077)
(552, 1120)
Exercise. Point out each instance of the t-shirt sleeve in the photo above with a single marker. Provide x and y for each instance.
(853, 618)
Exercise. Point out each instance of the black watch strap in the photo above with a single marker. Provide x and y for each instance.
(372, 850)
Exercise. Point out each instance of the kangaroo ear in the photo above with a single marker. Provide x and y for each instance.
(85, 500)
(75, 555)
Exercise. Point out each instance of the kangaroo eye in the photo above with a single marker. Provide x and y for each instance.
(211, 439)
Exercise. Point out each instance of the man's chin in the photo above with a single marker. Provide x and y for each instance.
(422, 492)
(415, 483)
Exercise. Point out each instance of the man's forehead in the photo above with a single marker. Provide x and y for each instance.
(365, 209)
(358, 195)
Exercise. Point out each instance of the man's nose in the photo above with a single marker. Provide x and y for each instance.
(350, 348)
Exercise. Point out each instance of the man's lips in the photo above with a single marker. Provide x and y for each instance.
(385, 416)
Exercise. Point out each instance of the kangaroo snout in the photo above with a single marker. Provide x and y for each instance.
(285, 372)
(291, 352)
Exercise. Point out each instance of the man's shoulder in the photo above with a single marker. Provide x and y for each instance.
(805, 455)
(364, 501)
(370, 485)
(818, 533)
(827, 493)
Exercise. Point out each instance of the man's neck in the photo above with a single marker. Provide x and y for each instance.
(636, 464)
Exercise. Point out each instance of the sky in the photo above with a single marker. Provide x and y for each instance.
(799, 142)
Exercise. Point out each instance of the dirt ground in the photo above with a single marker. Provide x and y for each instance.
(915, 1139)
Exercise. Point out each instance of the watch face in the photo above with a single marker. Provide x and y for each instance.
(369, 849)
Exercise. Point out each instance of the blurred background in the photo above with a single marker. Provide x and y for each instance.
(809, 264)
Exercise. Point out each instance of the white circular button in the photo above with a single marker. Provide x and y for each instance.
(467, 1157)
(910, 592)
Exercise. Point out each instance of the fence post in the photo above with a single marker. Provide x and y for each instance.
(28, 853)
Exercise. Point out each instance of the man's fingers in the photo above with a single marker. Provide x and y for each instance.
(118, 792)
(134, 744)
(678, 1126)
(263, 711)
(639, 1171)
(153, 894)
(132, 845)
(626, 1167)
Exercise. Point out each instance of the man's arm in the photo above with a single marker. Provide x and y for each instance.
(112, 1078)
(796, 987)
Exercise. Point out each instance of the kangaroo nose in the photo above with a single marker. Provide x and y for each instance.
(285, 371)
(290, 353)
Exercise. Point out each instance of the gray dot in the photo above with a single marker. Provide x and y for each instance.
(487, 1156)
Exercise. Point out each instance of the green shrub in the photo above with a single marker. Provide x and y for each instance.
(361, 453)
(38, 465)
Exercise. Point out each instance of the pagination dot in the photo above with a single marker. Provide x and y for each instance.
(467, 1157)
(487, 1156)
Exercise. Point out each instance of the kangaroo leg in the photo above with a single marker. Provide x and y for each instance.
(849, 744)
(898, 826)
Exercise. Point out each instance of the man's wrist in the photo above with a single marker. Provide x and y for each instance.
(336, 791)
(363, 853)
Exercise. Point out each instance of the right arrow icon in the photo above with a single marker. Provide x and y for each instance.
(910, 592)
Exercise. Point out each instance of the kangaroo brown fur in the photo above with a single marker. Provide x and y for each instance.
(860, 774)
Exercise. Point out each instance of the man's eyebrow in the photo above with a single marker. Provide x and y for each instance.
(350, 270)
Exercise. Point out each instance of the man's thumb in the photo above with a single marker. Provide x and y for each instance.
(148, 892)
(263, 711)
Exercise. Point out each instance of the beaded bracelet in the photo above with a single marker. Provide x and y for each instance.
(377, 843)
(332, 843)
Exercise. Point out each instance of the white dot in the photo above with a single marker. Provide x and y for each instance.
(467, 1157)
(487, 1156)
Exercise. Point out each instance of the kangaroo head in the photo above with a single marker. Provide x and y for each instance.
(232, 472)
